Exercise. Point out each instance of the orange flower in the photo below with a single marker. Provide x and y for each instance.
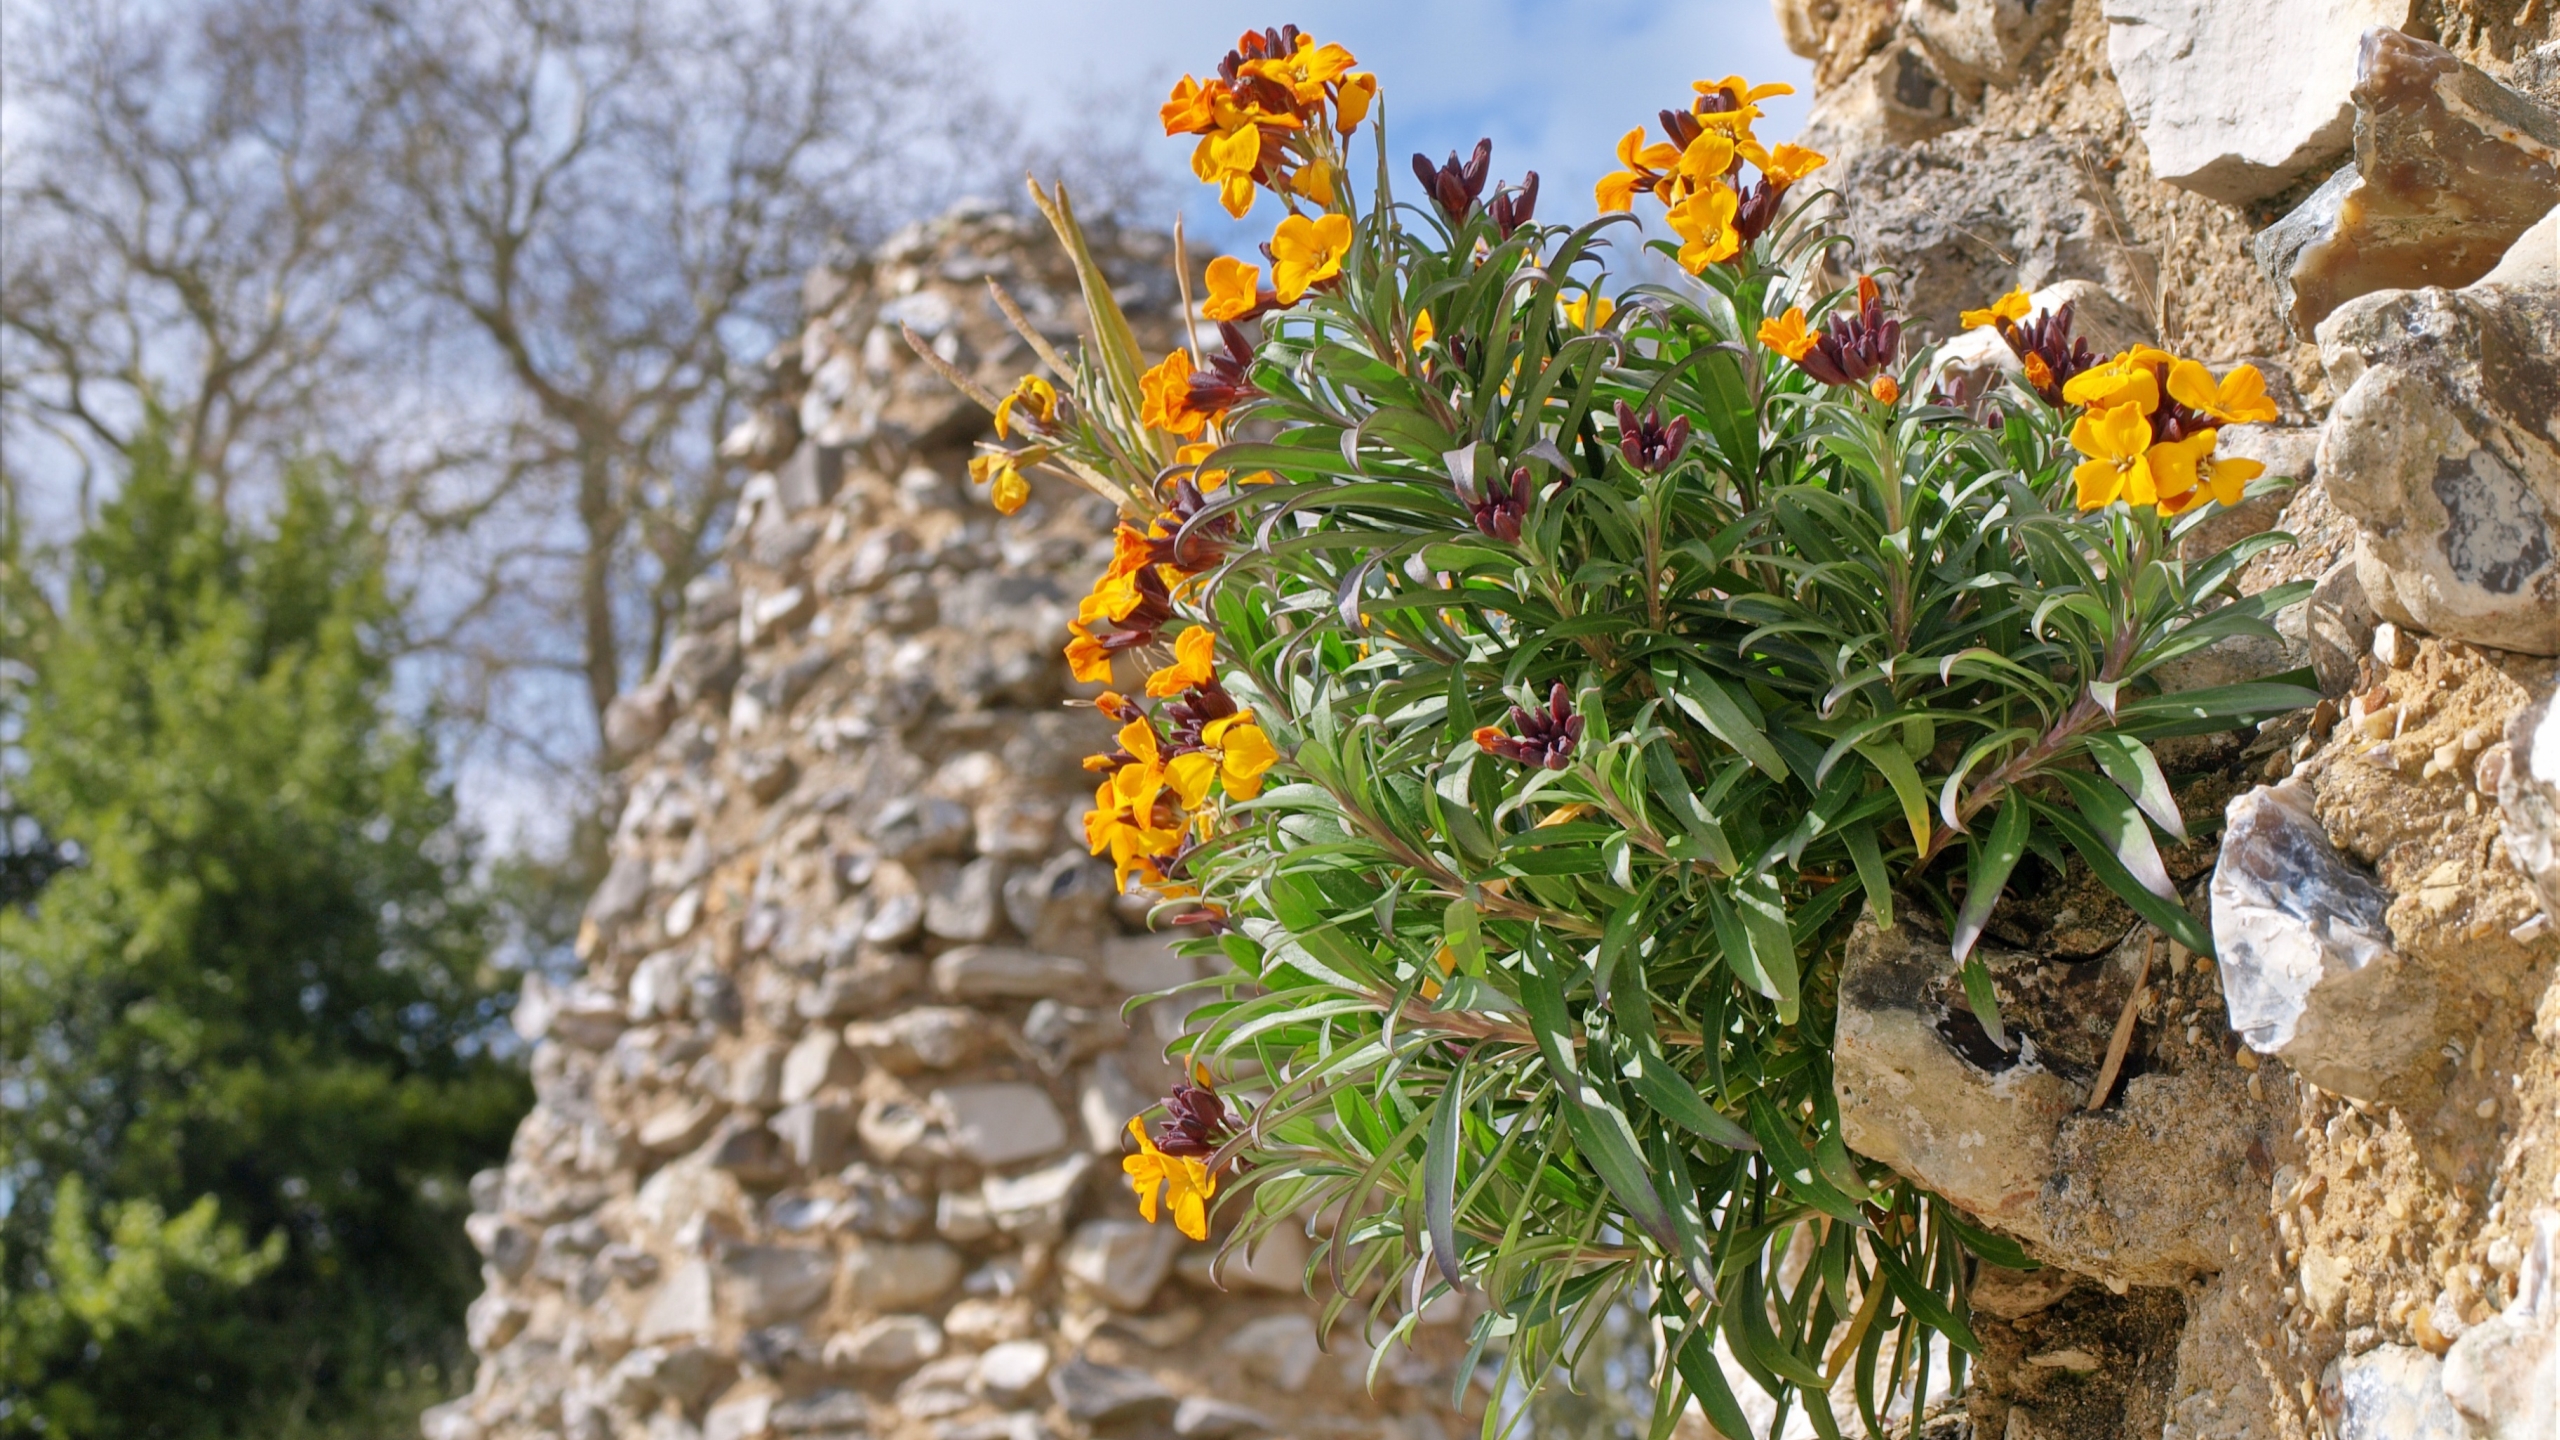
(1790, 163)
(1886, 389)
(1165, 394)
(1234, 289)
(1086, 659)
(1351, 100)
(1787, 333)
(1307, 252)
(2013, 306)
(1195, 663)
(1193, 107)
(1423, 330)
(1227, 157)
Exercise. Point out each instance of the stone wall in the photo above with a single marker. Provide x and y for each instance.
(2316, 1193)
(828, 1132)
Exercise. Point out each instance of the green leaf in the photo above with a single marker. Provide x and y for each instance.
(1599, 1126)
(2171, 917)
(1440, 1174)
(1898, 772)
(1984, 999)
(1712, 706)
(2112, 814)
(1872, 876)
(1994, 856)
(2131, 765)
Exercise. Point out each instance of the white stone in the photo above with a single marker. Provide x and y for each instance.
(1199, 1417)
(1033, 1207)
(2308, 970)
(811, 1066)
(999, 1124)
(2391, 1392)
(2533, 260)
(881, 1276)
(1120, 1262)
(892, 1342)
(1279, 1350)
(744, 1418)
(2528, 791)
(2503, 1375)
(1010, 1371)
(996, 972)
(767, 1283)
(1141, 964)
(681, 1309)
(1106, 1103)
(2236, 102)
(929, 1037)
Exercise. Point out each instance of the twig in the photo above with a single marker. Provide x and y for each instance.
(2124, 1026)
(1182, 280)
(962, 383)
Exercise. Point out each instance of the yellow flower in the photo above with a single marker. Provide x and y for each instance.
(1194, 663)
(2124, 380)
(1306, 252)
(1787, 334)
(1237, 756)
(1165, 395)
(1590, 312)
(1193, 107)
(1086, 659)
(1185, 1182)
(1704, 223)
(1423, 330)
(1743, 91)
(2240, 399)
(1033, 395)
(2175, 468)
(997, 470)
(1314, 181)
(1227, 157)
(1352, 99)
(2229, 479)
(1642, 166)
(1234, 286)
(1790, 163)
(2013, 306)
(1706, 160)
(1886, 389)
(1305, 70)
(2116, 440)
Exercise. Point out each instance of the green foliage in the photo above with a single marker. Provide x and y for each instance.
(1563, 1035)
(254, 1001)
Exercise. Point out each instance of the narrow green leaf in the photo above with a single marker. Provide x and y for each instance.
(1599, 1126)
(2112, 814)
(1985, 1001)
(2131, 765)
(1898, 772)
(1995, 855)
(1872, 876)
(1440, 1175)
(1712, 706)
(2171, 917)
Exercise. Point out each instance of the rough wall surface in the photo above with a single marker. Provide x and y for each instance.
(828, 1133)
(2349, 1235)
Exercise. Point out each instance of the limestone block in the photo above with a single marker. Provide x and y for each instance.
(2444, 445)
(2529, 797)
(1108, 1394)
(2503, 1375)
(2451, 168)
(929, 1037)
(2237, 102)
(681, 1310)
(1981, 41)
(817, 1061)
(828, 1412)
(1199, 1417)
(2308, 971)
(890, 1277)
(2391, 1392)
(764, 1284)
(969, 905)
(1120, 1262)
(1141, 964)
(2533, 260)
(919, 827)
(999, 1124)
(1895, 97)
(996, 972)
(814, 1133)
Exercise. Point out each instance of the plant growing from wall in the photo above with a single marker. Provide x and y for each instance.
(1527, 680)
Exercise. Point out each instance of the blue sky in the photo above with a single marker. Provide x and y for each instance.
(1554, 85)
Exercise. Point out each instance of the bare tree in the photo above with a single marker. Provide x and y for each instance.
(514, 262)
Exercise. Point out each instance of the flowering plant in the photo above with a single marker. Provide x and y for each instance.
(1534, 684)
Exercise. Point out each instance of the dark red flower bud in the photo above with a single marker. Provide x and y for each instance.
(1650, 446)
(1546, 736)
(1511, 209)
(1455, 186)
(1855, 346)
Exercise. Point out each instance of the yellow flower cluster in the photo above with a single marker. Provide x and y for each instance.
(1032, 408)
(2149, 425)
(1183, 1180)
(1268, 117)
(1697, 171)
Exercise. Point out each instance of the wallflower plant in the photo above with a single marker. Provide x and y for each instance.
(1522, 682)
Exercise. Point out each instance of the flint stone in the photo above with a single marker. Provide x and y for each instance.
(507, 1246)
(817, 1061)
(892, 1127)
(1060, 1035)
(682, 1307)
(2308, 970)
(873, 981)
(682, 1373)
(940, 1388)
(824, 1411)
(766, 1284)
(1985, 1141)
(1106, 1103)
(1016, 829)
(743, 1147)
(810, 477)
(890, 1277)
(679, 1126)
(2391, 1392)
(893, 1342)
(2529, 797)
(1020, 1425)
(898, 919)
(1200, 1418)
(968, 906)
(1121, 1262)
(1279, 1350)
(929, 1037)
(815, 1134)
(1141, 964)
(1896, 97)
(744, 1418)
(493, 1320)
(2444, 446)
(2236, 103)
(704, 665)
(2503, 1375)
(960, 1216)
(1070, 892)
(2451, 168)
(1033, 1207)
(918, 827)
(450, 1421)
(879, 1204)
(1008, 1372)
(625, 887)
(579, 1015)
(994, 972)
(999, 1124)
(1108, 1394)
(634, 721)
(2533, 261)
